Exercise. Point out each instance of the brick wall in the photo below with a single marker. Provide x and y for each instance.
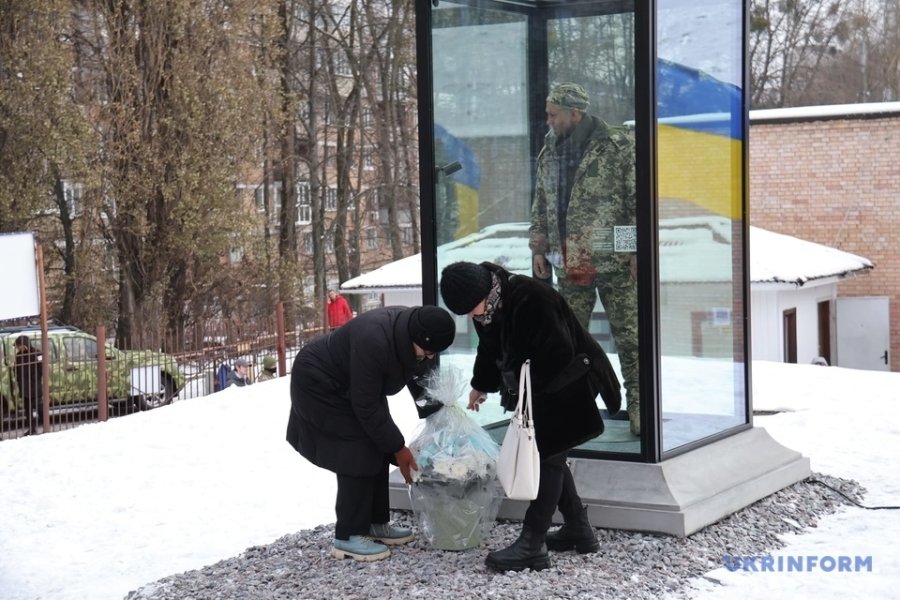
(835, 181)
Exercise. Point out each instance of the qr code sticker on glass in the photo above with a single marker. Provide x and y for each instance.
(625, 238)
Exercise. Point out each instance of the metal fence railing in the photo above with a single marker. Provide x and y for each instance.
(77, 378)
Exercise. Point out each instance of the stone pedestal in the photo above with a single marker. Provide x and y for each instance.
(678, 496)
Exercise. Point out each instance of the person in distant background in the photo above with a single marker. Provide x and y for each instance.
(240, 375)
(338, 310)
(269, 370)
(30, 379)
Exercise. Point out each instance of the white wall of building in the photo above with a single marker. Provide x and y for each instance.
(403, 298)
(767, 308)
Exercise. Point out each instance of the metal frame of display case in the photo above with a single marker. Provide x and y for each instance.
(683, 489)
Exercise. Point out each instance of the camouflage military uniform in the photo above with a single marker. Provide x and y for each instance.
(592, 246)
(269, 369)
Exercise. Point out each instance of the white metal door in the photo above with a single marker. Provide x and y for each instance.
(863, 333)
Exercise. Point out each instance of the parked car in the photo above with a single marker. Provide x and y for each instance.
(148, 379)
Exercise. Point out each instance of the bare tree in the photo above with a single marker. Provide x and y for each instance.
(388, 88)
(350, 143)
(172, 95)
(865, 67)
(789, 41)
(604, 68)
(125, 125)
(45, 142)
(290, 14)
(33, 82)
(342, 64)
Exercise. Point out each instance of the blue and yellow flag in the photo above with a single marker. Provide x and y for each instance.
(466, 180)
(700, 135)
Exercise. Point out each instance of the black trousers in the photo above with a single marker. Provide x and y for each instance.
(32, 404)
(556, 490)
(361, 501)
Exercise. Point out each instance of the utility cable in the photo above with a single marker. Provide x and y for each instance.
(852, 500)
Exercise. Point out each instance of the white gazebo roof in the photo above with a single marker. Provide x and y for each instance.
(775, 259)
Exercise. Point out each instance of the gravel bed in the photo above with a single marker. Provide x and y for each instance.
(629, 564)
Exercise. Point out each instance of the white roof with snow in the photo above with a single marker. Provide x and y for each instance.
(830, 111)
(403, 274)
(505, 244)
(775, 259)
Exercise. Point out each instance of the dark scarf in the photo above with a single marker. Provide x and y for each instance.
(492, 303)
(569, 151)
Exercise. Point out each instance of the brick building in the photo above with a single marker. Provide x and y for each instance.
(830, 174)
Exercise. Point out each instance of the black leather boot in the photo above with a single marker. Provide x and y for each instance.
(527, 552)
(576, 533)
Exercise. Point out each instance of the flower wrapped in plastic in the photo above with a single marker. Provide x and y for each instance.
(456, 494)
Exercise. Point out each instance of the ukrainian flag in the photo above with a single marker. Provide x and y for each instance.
(466, 180)
(700, 136)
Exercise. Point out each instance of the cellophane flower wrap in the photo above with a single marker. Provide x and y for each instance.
(455, 494)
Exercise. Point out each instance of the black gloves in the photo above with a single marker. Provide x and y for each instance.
(427, 406)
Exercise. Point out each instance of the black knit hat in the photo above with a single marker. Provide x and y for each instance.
(431, 328)
(464, 285)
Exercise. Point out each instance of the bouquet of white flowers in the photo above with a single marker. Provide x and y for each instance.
(455, 493)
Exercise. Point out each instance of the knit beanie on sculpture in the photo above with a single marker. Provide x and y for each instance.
(464, 285)
(570, 96)
(431, 328)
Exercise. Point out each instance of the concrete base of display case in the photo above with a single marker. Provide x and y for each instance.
(678, 496)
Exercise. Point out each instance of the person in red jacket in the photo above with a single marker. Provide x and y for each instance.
(338, 310)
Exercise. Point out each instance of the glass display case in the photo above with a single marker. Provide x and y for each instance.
(664, 84)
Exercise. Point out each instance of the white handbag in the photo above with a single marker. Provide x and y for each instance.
(519, 463)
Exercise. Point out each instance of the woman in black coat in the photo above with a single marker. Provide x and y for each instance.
(340, 420)
(519, 318)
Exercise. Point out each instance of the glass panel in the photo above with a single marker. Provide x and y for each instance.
(482, 152)
(597, 52)
(491, 121)
(700, 124)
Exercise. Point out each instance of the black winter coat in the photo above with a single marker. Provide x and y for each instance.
(340, 382)
(29, 375)
(568, 367)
